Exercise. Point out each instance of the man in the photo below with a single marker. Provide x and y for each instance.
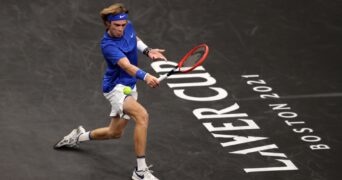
(120, 47)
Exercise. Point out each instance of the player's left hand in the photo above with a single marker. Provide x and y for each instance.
(156, 54)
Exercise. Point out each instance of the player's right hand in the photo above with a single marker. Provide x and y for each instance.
(151, 81)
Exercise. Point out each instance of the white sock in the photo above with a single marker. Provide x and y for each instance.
(84, 137)
(141, 163)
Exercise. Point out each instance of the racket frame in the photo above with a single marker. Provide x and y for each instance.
(176, 69)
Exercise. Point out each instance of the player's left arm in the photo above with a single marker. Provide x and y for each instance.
(153, 54)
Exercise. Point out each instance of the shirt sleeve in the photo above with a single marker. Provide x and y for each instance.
(113, 54)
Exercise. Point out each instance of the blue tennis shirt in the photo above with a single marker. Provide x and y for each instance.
(113, 49)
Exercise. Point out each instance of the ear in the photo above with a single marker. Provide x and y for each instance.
(107, 24)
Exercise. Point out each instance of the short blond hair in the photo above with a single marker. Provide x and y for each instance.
(116, 8)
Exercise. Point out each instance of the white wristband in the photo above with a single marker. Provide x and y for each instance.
(145, 76)
(141, 46)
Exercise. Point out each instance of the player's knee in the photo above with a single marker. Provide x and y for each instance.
(143, 118)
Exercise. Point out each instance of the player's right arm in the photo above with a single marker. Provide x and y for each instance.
(134, 71)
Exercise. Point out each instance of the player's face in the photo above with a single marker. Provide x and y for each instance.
(116, 28)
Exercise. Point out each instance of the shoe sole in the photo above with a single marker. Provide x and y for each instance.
(60, 144)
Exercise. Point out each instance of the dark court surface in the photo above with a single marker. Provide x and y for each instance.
(271, 86)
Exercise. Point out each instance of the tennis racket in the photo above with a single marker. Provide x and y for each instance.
(192, 59)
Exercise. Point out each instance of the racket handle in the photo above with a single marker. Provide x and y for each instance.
(162, 77)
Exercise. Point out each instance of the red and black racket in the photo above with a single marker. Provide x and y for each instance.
(194, 58)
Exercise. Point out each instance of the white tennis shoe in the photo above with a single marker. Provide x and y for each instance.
(70, 140)
(145, 174)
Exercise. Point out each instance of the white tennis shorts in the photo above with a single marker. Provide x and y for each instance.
(116, 97)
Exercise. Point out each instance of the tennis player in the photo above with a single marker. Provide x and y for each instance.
(120, 47)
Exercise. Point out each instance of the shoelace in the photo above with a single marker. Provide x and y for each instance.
(148, 172)
(148, 168)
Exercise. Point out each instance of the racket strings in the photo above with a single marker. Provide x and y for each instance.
(194, 58)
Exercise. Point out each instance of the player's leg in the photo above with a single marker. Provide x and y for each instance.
(141, 118)
(114, 130)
